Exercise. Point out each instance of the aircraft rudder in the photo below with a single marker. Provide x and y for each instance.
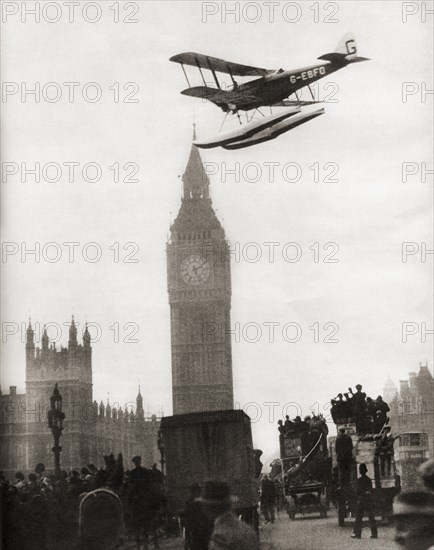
(347, 45)
(345, 52)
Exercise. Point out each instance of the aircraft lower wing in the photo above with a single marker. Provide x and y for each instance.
(220, 97)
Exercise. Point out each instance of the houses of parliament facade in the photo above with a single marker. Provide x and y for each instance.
(91, 430)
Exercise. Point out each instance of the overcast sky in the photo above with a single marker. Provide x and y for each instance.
(368, 213)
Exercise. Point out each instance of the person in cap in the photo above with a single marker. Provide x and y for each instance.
(32, 485)
(258, 462)
(379, 421)
(358, 403)
(427, 474)
(140, 500)
(341, 408)
(198, 527)
(364, 504)
(20, 483)
(385, 451)
(358, 400)
(229, 532)
(268, 499)
(413, 514)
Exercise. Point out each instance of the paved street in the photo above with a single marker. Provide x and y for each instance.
(321, 534)
(309, 534)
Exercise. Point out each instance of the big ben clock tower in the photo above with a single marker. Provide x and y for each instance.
(199, 286)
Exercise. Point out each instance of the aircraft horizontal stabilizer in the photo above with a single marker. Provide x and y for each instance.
(358, 59)
(204, 92)
(335, 57)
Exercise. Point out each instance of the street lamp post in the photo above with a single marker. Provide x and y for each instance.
(161, 448)
(55, 422)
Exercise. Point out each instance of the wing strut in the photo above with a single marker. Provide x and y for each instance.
(213, 73)
(232, 78)
(311, 93)
(201, 73)
(185, 74)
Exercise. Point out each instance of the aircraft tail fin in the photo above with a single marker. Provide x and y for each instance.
(345, 52)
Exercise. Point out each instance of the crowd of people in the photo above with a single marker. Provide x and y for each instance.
(48, 506)
(369, 415)
(308, 431)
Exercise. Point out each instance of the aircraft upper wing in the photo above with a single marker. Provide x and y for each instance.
(220, 65)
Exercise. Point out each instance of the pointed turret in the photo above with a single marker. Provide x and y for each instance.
(195, 179)
(72, 343)
(44, 340)
(30, 333)
(86, 338)
(30, 343)
(139, 406)
(196, 212)
(108, 410)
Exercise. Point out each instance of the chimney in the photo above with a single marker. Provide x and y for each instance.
(412, 376)
(12, 390)
(404, 387)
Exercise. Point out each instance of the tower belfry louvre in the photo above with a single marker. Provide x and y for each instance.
(199, 287)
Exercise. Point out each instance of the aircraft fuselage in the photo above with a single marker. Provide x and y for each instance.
(276, 87)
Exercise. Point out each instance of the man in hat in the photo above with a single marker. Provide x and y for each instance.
(414, 520)
(268, 499)
(383, 407)
(358, 399)
(358, 407)
(364, 504)
(427, 474)
(258, 462)
(229, 532)
(199, 518)
(385, 451)
(379, 421)
(138, 495)
(20, 483)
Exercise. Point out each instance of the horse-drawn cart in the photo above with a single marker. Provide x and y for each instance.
(306, 499)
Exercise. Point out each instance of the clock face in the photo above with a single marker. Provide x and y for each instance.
(195, 270)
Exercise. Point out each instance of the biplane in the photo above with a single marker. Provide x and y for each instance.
(272, 88)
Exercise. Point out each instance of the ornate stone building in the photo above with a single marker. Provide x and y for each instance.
(199, 286)
(90, 430)
(412, 407)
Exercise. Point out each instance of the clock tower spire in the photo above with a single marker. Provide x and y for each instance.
(199, 286)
